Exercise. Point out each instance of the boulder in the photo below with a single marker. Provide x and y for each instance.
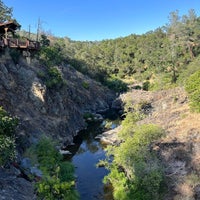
(110, 137)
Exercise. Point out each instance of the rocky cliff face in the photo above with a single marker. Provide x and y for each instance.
(58, 113)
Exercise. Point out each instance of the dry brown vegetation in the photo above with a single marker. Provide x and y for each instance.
(179, 150)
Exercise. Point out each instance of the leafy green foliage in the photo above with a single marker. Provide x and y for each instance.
(85, 84)
(137, 142)
(88, 116)
(58, 180)
(45, 42)
(52, 188)
(7, 149)
(162, 82)
(5, 12)
(51, 55)
(66, 171)
(116, 84)
(193, 88)
(129, 123)
(47, 155)
(8, 125)
(188, 70)
(146, 85)
(54, 78)
(135, 171)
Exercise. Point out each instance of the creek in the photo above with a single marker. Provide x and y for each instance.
(86, 153)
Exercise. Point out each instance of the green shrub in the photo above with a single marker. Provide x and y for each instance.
(51, 55)
(116, 84)
(7, 149)
(88, 116)
(7, 123)
(135, 171)
(193, 88)
(52, 188)
(41, 74)
(85, 84)
(54, 78)
(146, 85)
(119, 183)
(58, 179)
(47, 156)
(7, 139)
(188, 70)
(129, 123)
(162, 82)
(66, 171)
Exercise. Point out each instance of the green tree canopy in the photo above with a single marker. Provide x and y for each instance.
(5, 12)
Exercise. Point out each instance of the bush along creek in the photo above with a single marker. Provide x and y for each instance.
(55, 177)
(135, 170)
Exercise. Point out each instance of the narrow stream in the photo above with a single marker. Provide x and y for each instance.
(87, 151)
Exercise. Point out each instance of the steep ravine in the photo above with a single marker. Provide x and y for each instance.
(58, 113)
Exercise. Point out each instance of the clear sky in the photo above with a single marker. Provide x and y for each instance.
(97, 19)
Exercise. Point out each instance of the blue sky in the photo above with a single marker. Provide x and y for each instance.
(97, 19)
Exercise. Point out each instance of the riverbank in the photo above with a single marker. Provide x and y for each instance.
(179, 149)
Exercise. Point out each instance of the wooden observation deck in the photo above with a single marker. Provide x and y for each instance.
(7, 38)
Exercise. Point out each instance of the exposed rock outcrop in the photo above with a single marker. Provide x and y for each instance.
(15, 188)
(58, 113)
(110, 136)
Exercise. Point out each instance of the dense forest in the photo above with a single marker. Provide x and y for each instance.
(158, 59)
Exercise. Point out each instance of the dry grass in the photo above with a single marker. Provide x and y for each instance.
(189, 122)
(185, 191)
(180, 149)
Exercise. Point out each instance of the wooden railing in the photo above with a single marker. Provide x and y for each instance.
(19, 43)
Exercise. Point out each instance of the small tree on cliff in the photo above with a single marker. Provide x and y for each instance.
(5, 12)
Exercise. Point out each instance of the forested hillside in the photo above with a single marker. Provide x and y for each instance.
(159, 56)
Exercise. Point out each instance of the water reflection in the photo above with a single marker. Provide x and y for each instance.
(86, 153)
(84, 141)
